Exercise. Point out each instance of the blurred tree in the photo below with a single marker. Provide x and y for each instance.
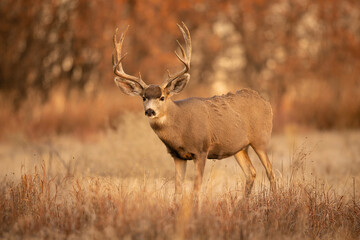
(45, 43)
(69, 42)
(285, 43)
(273, 46)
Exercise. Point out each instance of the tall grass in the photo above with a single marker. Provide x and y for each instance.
(96, 208)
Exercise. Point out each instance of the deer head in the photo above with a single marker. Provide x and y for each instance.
(155, 97)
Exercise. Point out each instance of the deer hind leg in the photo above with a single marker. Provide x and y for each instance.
(243, 160)
(267, 164)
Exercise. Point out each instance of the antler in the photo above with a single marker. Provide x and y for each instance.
(117, 58)
(186, 54)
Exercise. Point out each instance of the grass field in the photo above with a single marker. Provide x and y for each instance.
(120, 185)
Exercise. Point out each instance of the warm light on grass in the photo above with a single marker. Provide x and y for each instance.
(43, 207)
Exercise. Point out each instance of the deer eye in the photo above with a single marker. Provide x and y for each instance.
(144, 99)
(162, 98)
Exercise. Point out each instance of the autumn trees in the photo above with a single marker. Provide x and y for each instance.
(278, 47)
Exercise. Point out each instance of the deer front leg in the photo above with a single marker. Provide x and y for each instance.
(199, 169)
(180, 170)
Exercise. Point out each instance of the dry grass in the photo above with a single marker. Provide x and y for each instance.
(121, 186)
(100, 207)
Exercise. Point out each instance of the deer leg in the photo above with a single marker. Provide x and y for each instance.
(180, 170)
(199, 169)
(268, 167)
(243, 160)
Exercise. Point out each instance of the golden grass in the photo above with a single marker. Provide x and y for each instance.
(100, 207)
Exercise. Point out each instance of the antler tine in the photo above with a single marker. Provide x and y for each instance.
(187, 38)
(186, 54)
(181, 60)
(117, 59)
(181, 48)
(118, 47)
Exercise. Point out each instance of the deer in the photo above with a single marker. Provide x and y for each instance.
(201, 128)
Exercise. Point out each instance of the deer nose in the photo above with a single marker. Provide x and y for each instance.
(149, 112)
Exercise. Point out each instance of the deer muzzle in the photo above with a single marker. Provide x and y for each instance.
(150, 112)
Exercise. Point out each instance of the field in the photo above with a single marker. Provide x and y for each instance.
(80, 161)
(120, 185)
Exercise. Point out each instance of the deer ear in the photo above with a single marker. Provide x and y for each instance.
(129, 87)
(177, 85)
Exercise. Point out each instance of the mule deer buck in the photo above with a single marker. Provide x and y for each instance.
(201, 128)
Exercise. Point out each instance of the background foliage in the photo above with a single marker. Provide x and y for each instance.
(304, 56)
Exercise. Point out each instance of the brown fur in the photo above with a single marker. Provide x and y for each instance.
(216, 128)
(152, 91)
(221, 126)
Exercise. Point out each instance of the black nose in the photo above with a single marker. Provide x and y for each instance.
(149, 112)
